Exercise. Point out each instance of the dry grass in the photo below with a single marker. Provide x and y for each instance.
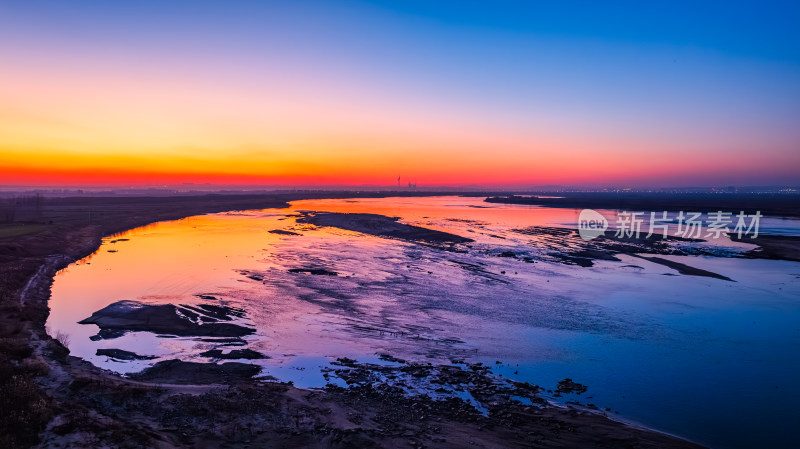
(36, 366)
(62, 338)
(20, 229)
(26, 410)
(14, 349)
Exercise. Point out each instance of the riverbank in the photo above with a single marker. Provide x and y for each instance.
(772, 204)
(776, 247)
(58, 399)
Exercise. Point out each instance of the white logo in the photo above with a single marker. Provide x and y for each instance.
(591, 224)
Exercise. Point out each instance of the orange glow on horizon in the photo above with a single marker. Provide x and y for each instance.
(343, 168)
(343, 96)
(67, 130)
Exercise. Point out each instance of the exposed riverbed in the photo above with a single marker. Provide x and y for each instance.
(709, 358)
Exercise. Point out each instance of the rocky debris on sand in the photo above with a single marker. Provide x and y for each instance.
(567, 247)
(390, 358)
(569, 386)
(234, 354)
(108, 334)
(439, 382)
(180, 372)
(121, 354)
(235, 341)
(169, 319)
(315, 271)
(682, 268)
(283, 232)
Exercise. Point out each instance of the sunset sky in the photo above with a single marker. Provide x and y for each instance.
(444, 93)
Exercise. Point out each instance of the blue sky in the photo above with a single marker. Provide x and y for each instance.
(708, 80)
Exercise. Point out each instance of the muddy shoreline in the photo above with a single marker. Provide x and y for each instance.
(71, 403)
(772, 204)
(776, 247)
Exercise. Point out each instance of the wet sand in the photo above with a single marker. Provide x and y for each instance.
(772, 204)
(776, 247)
(202, 321)
(381, 226)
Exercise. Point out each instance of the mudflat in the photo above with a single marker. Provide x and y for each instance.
(50, 397)
(125, 316)
(773, 204)
(777, 247)
(380, 225)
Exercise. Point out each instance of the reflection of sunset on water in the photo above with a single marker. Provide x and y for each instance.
(503, 296)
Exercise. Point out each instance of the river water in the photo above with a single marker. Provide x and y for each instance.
(711, 360)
